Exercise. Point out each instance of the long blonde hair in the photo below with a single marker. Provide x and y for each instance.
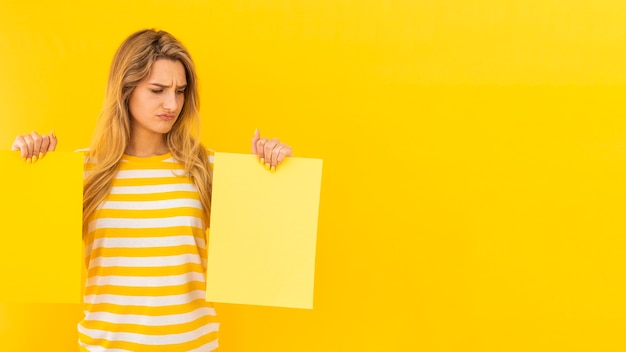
(131, 64)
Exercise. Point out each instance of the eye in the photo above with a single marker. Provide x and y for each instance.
(156, 91)
(180, 91)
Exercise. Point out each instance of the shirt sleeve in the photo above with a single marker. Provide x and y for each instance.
(211, 154)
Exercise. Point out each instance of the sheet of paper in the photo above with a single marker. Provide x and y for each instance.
(263, 231)
(40, 231)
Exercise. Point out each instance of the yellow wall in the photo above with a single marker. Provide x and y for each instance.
(474, 156)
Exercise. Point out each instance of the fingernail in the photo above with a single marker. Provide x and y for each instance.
(40, 155)
(256, 130)
(28, 161)
(53, 134)
(34, 158)
(273, 168)
(267, 166)
(262, 161)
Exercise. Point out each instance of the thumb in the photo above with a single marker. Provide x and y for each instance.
(53, 141)
(255, 138)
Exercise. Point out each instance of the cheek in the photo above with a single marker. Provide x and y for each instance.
(141, 105)
(132, 107)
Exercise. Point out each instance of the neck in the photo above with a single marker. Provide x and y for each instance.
(147, 145)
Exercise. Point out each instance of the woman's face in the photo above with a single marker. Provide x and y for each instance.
(157, 100)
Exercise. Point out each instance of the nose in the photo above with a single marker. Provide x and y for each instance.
(170, 102)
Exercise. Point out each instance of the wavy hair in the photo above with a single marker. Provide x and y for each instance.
(131, 64)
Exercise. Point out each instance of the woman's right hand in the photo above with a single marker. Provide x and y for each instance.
(34, 146)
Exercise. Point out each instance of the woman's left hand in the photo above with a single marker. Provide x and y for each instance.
(271, 152)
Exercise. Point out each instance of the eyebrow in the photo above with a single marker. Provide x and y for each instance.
(166, 86)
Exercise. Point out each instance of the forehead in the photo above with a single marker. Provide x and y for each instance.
(167, 72)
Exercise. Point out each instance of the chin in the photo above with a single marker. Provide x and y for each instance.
(164, 129)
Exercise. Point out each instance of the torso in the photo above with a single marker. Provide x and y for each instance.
(145, 251)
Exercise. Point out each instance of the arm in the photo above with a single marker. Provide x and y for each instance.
(33, 146)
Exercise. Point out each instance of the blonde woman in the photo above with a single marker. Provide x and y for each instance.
(147, 198)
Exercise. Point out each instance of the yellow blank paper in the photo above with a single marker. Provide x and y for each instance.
(263, 231)
(40, 234)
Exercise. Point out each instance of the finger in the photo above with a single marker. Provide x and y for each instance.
(36, 145)
(45, 143)
(260, 148)
(275, 155)
(255, 138)
(53, 141)
(268, 149)
(285, 151)
(28, 140)
(20, 144)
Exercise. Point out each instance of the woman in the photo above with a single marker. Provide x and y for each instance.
(147, 197)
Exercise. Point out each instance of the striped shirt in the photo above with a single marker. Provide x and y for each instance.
(145, 252)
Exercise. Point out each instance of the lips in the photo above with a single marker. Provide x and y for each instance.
(167, 117)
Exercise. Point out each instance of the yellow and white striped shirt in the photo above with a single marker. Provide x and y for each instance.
(145, 252)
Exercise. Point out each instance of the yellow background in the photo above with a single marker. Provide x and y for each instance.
(474, 157)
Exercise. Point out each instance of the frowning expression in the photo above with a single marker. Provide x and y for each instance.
(158, 99)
